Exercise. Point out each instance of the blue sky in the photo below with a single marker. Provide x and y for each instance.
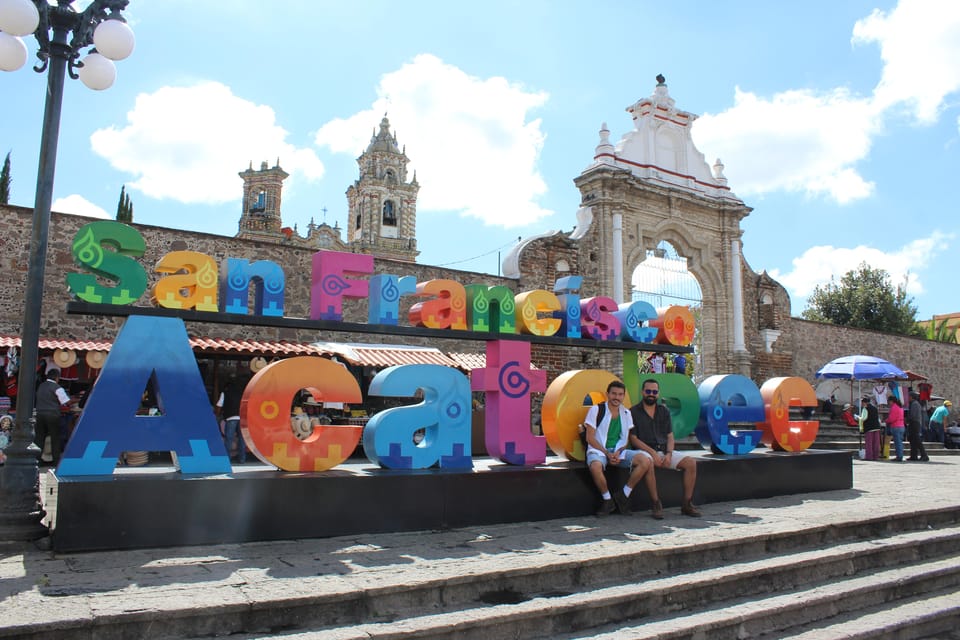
(838, 122)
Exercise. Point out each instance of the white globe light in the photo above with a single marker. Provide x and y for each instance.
(18, 17)
(13, 53)
(114, 39)
(97, 72)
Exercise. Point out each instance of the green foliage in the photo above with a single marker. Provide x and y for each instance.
(938, 331)
(5, 181)
(864, 299)
(124, 207)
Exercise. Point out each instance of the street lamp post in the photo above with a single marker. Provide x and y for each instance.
(20, 510)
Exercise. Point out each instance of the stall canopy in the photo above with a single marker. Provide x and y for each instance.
(384, 355)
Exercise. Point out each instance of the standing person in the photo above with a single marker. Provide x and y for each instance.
(870, 426)
(680, 364)
(914, 425)
(229, 406)
(938, 421)
(607, 443)
(652, 435)
(657, 363)
(895, 425)
(50, 398)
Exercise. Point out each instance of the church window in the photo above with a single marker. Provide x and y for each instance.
(357, 226)
(389, 214)
(390, 176)
(261, 203)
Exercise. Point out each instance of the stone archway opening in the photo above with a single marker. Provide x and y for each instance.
(663, 279)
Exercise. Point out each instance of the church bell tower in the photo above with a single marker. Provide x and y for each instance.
(382, 204)
(260, 219)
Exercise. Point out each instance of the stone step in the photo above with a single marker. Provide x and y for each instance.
(930, 615)
(810, 608)
(502, 610)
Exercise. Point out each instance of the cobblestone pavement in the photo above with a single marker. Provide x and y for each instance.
(37, 585)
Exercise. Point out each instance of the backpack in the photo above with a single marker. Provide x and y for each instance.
(601, 412)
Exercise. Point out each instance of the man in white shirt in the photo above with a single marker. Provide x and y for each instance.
(607, 442)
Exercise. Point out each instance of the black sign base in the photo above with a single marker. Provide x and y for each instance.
(157, 507)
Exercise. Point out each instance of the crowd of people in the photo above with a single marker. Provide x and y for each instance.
(915, 422)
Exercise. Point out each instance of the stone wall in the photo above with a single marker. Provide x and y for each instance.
(817, 343)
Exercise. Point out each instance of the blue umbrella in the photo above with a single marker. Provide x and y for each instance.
(861, 368)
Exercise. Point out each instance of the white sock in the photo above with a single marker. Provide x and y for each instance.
(627, 491)
(606, 495)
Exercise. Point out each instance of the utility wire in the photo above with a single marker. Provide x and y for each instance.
(482, 255)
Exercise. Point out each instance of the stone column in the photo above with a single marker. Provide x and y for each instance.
(617, 242)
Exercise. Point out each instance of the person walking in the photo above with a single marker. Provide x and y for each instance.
(914, 426)
(895, 424)
(50, 398)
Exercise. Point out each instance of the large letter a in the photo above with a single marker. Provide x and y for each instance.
(146, 347)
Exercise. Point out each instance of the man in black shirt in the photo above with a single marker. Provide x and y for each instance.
(652, 434)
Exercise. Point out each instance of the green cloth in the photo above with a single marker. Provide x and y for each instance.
(613, 433)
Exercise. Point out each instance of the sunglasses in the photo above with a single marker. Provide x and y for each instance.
(651, 392)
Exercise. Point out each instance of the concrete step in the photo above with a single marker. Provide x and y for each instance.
(823, 605)
(610, 591)
(931, 615)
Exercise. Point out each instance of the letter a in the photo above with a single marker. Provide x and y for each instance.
(146, 348)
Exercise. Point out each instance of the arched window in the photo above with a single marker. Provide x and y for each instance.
(390, 176)
(389, 214)
(260, 205)
(358, 222)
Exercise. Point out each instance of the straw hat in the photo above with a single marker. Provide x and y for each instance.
(95, 359)
(257, 363)
(847, 407)
(947, 403)
(65, 358)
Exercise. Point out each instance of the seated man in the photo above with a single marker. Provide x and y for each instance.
(607, 443)
(652, 435)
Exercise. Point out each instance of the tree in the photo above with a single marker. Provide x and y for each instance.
(938, 331)
(124, 207)
(5, 181)
(864, 299)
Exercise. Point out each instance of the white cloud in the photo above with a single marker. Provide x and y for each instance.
(920, 47)
(184, 143)
(79, 206)
(471, 141)
(812, 142)
(797, 141)
(818, 264)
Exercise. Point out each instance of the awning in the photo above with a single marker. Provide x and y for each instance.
(75, 345)
(384, 355)
(253, 347)
(469, 361)
(203, 345)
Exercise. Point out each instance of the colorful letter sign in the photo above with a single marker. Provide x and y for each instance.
(155, 351)
(117, 265)
(444, 415)
(266, 408)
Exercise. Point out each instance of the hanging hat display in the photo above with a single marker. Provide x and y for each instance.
(95, 359)
(257, 363)
(65, 358)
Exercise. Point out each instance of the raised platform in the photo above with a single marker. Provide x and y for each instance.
(156, 506)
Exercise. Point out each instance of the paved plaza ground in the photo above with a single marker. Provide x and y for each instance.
(38, 586)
